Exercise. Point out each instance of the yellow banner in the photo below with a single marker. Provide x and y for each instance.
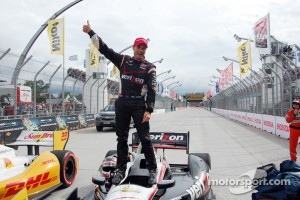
(94, 56)
(56, 36)
(245, 60)
(115, 73)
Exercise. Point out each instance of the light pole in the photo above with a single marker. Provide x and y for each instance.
(63, 90)
(34, 100)
(281, 87)
(97, 80)
(6, 52)
(226, 59)
(83, 105)
(172, 84)
(50, 80)
(163, 73)
(216, 77)
(175, 87)
(98, 96)
(167, 79)
(238, 38)
(158, 61)
(77, 79)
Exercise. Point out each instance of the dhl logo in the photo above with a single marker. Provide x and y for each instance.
(30, 183)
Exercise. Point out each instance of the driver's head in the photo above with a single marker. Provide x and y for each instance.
(140, 46)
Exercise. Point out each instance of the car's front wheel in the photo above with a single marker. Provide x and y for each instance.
(99, 128)
(68, 168)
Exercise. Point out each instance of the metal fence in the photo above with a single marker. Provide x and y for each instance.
(270, 90)
(59, 82)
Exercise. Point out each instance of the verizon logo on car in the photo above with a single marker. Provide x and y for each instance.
(165, 137)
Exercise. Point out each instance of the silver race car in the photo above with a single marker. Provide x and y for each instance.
(174, 181)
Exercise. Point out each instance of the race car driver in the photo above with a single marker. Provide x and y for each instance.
(136, 99)
(294, 120)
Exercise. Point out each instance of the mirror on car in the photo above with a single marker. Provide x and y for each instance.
(164, 184)
(98, 180)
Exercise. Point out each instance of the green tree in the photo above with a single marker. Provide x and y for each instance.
(42, 90)
(65, 95)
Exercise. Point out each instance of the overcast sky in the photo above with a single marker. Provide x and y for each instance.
(190, 35)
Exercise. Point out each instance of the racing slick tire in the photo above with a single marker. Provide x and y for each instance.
(110, 153)
(68, 168)
(99, 128)
(203, 156)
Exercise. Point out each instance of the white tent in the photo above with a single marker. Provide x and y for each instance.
(76, 100)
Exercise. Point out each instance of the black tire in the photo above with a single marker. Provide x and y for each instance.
(99, 128)
(205, 157)
(68, 167)
(110, 153)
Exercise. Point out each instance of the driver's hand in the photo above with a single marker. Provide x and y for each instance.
(146, 117)
(86, 28)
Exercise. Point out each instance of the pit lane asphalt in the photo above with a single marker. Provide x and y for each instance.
(234, 148)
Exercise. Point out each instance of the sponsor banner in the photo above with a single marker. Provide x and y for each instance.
(250, 119)
(39, 123)
(245, 60)
(31, 124)
(70, 122)
(56, 36)
(257, 120)
(282, 128)
(89, 120)
(48, 124)
(10, 129)
(262, 39)
(269, 123)
(243, 117)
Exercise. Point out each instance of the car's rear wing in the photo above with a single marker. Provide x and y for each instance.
(55, 139)
(165, 140)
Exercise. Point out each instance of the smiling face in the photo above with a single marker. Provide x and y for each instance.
(139, 52)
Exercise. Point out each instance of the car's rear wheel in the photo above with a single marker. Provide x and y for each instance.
(99, 128)
(68, 168)
(203, 156)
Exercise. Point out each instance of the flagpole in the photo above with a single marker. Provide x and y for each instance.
(63, 87)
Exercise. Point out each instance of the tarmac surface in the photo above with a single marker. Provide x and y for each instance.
(234, 148)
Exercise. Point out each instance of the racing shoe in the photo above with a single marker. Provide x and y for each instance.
(118, 177)
(152, 177)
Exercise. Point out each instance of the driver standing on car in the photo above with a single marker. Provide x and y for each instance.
(136, 73)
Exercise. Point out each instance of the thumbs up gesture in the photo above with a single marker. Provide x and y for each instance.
(86, 27)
